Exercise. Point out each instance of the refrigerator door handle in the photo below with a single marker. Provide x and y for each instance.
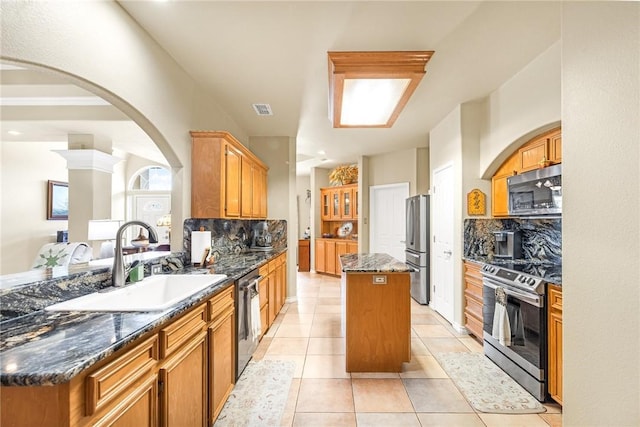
(413, 255)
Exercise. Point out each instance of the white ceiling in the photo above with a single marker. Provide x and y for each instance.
(276, 53)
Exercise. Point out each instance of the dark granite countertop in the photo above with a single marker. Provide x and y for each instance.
(373, 263)
(549, 272)
(46, 348)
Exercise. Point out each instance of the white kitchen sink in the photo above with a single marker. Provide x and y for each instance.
(155, 293)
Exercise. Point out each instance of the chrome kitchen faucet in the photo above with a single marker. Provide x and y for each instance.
(118, 272)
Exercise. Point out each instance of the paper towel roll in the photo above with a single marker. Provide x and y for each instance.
(200, 240)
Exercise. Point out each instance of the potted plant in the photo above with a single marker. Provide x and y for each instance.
(344, 174)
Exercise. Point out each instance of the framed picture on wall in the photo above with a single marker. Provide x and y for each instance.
(58, 200)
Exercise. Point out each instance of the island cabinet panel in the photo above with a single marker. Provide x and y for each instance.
(377, 321)
(263, 291)
(473, 299)
(555, 342)
(138, 408)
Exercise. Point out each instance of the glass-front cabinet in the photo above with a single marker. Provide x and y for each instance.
(347, 211)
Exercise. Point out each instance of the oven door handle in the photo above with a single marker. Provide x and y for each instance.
(528, 298)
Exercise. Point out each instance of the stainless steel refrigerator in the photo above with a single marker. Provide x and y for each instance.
(417, 246)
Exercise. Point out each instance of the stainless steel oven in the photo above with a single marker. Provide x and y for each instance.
(522, 353)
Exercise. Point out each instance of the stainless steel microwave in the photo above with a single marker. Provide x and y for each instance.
(537, 192)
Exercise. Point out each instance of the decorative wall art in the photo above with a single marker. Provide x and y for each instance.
(58, 200)
(476, 202)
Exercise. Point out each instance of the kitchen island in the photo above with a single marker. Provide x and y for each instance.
(376, 312)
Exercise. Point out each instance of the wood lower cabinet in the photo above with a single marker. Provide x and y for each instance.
(473, 299)
(328, 253)
(177, 375)
(377, 321)
(273, 288)
(221, 334)
(304, 255)
(555, 342)
(227, 180)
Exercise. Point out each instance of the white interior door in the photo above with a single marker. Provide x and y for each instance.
(387, 219)
(442, 290)
(149, 208)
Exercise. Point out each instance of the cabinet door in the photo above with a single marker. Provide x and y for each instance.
(355, 202)
(532, 154)
(139, 407)
(246, 188)
(325, 205)
(183, 385)
(352, 247)
(335, 204)
(555, 148)
(330, 256)
(346, 206)
(273, 310)
(320, 256)
(232, 181)
(256, 192)
(500, 194)
(221, 362)
(341, 249)
(555, 342)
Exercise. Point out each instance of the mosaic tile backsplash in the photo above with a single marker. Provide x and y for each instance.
(233, 236)
(541, 238)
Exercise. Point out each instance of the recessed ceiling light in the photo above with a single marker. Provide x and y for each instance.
(14, 132)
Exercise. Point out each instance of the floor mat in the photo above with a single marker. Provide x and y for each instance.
(487, 388)
(259, 396)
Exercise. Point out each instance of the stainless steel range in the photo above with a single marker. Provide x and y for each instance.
(515, 327)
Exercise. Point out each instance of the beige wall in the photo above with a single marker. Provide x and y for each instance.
(601, 226)
(303, 183)
(24, 228)
(524, 106)
(31, 35)
(396, 167)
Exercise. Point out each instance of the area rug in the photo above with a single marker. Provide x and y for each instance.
(259, 396)
(487, 387)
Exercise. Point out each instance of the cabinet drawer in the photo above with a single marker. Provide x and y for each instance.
(181, 331)
(272, 266)
(263, 291)
(220, 303)
(264, 270)
(113, 379)
(555, 298)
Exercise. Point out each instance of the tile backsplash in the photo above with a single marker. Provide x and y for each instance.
(541, 238)
(229, 236)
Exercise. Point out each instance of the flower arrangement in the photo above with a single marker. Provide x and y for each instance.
(345, 174)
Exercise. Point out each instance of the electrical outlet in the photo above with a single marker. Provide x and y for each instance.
(156, 269)
(379, 280)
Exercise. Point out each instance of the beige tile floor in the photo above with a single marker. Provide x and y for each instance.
(324, 394)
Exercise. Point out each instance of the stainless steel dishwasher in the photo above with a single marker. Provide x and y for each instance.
(247, 320)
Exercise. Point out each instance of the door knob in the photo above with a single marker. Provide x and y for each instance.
(448, 253)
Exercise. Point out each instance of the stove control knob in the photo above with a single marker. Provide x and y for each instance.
(531, 282)
(522, 279)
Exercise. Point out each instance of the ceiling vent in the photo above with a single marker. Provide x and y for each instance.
(263, 109)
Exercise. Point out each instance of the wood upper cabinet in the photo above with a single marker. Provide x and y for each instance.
(339, 203)
(227, 180)
(232, 180)
(473, 299)
(546, 147)
(532, 154)
(555, 342)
